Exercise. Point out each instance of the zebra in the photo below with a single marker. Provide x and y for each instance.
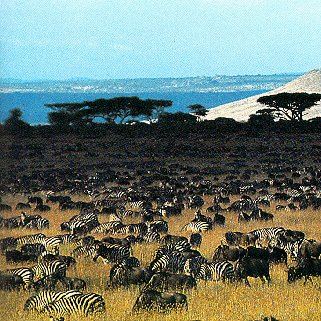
(39, 301)
(84, 251)
(67, 238)
(149, 237)
(159, 226)
(83, 304)
(39, 224)
(179, 246)
(173, 262)
(56, 268)
(27, 275)
(197, 227)
(51, 241)
(266, 234)
(30, 239)
(112, 252)
(216, 271)
(109, 227)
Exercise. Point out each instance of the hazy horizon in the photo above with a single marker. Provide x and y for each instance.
(132, 39)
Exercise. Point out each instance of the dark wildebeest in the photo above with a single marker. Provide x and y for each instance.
(248, 266)
(121, 275)
(307, 268)
(10, 282)
(8, 243)
(195, 239)
(74, 283)
(164, 281)
(227, 253)
(152, 300)
(309, 249)
(15, 256)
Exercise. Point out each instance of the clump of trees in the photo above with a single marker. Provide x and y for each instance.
(116, 110)
(288, 106)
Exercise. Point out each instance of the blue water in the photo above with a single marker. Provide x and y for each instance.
(34, 111)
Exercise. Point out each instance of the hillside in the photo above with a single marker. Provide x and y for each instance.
(241, 110)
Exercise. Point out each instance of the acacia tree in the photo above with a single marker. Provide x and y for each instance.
(112, 110)
(198, 110)
(290, 106)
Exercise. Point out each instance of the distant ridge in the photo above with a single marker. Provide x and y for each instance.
(242, 109)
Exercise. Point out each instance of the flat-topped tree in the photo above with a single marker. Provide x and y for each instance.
(113, 110)
(198, 110)
(289, 106)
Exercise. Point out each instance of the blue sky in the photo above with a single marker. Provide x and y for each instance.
(103, 39)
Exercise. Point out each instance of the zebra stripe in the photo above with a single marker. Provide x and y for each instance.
(26, 274)
(56, 268)
(216, 271)
(83, 305)
(84, 251)
(30, 239)
(109, 227)
(266, 234)
(51, 241)
(197, 227)
(39, 301)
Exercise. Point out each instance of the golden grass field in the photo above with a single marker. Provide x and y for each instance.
(211, 300)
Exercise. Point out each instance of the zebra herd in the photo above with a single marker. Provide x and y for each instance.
(176, 265)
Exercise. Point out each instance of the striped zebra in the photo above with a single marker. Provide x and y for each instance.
(67, 238)
(26, 274)
(192, 265)
(84, 251)
(55, 268)
(149, 237)
(179, 246)
(39, 301)
(30, 239)
(173, 262)
(112, 252)
(197, 227)
(265, 235)
(159, 226)
(136, 205)
(51, 241)
(108, 228)
(39, 224)
(216, 271)
(83, 305)
(81, 223)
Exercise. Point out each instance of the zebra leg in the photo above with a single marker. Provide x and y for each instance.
(247, 283)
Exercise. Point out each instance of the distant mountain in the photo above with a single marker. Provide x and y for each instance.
(189, 84)
(242, 109)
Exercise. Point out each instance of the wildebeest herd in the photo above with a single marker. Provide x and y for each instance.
(105, 217)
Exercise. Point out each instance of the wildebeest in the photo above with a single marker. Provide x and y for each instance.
(309, 249)
(74, 283)
(227, 253)
(122, 275)
(248, 266)
(164, 281)
(8, 243)
(195, 239)
(15, 256)
(307, 268)
(10, 282)
(152, 300)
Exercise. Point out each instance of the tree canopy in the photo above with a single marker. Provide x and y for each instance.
(198, 110)
(114, 110)
(288, 106)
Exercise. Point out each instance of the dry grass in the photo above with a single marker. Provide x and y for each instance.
(211, 301)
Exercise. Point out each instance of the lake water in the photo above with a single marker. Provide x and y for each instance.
(34, 111)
